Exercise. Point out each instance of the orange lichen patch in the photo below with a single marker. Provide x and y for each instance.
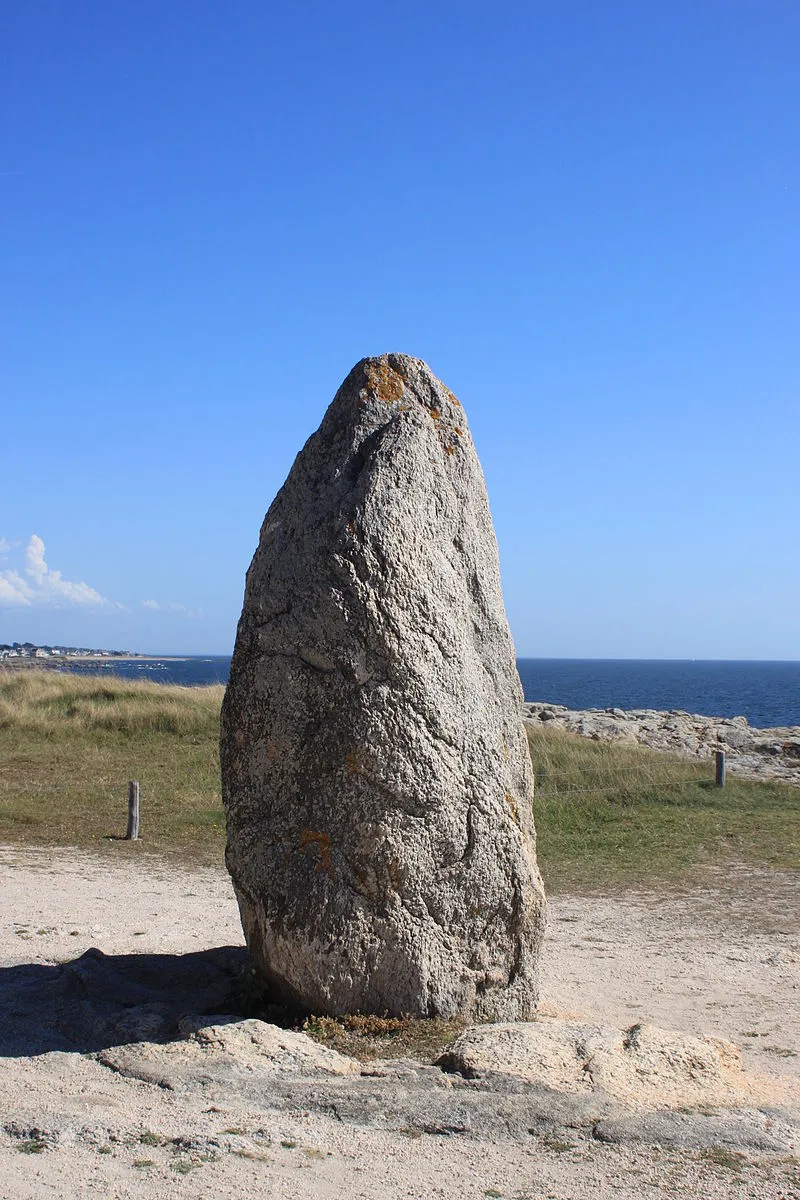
(394, 874)
(352, 763)
(316, 840)
(451, 397)
(436, 413)
(449, 449)
(512, 807)
(351, 527)
(275, 747)
(387, 384)
(457, 431)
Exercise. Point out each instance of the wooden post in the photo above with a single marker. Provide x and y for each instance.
(133, 812)
(719, 768)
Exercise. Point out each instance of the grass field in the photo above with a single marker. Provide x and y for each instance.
(608, 812)
(69, 744)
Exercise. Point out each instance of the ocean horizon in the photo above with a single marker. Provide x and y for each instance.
(766, 692)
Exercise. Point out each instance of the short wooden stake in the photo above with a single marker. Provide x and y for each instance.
(719, 768)
(133, 812)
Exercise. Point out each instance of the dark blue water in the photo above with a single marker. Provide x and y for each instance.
(767, 693)
(189, 672)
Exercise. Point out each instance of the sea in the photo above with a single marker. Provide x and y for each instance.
(767, 693)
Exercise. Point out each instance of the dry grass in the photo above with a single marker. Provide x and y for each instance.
(69, 744)
(370, 1037)
(49, 704)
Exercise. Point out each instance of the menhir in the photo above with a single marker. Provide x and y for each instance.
(375, 772)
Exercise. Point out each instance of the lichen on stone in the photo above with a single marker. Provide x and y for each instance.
(317, 840)
(384, 380)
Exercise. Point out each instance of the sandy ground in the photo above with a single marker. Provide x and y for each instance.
(722, 960)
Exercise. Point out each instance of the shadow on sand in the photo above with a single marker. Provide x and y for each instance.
(98, 1000)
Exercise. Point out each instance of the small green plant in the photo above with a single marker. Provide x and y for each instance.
(721, 1156)
(183, 1166)
(557, 1144)
(146, 1138)
(32, 1145)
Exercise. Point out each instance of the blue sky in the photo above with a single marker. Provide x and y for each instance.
(582, 215)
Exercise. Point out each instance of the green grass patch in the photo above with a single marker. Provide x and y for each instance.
(606, 812)
(69, 744)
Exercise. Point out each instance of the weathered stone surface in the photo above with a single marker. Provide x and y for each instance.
(642, 1066)
(219, 1047)
(376, 778)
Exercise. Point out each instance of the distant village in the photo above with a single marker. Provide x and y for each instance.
(29, 650)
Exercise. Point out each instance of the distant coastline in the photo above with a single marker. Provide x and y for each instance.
(184, 670)
(30, 656)
(766, 693)
(68, 662)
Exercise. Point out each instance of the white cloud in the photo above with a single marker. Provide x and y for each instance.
(41, 586)
(179, 610)
(13, 589)
(5, 546)
(182, 611)
(35, 566)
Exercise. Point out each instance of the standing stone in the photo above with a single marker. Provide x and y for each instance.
(375, 771)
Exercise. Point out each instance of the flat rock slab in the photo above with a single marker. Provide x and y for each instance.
(99, 1000)
(225, 1047)
(642, 1067)
(497, 1081)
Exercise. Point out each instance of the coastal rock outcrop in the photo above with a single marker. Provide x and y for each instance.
(376, 777)
(750, 752)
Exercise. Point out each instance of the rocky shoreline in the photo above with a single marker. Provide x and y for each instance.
(772, 754)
